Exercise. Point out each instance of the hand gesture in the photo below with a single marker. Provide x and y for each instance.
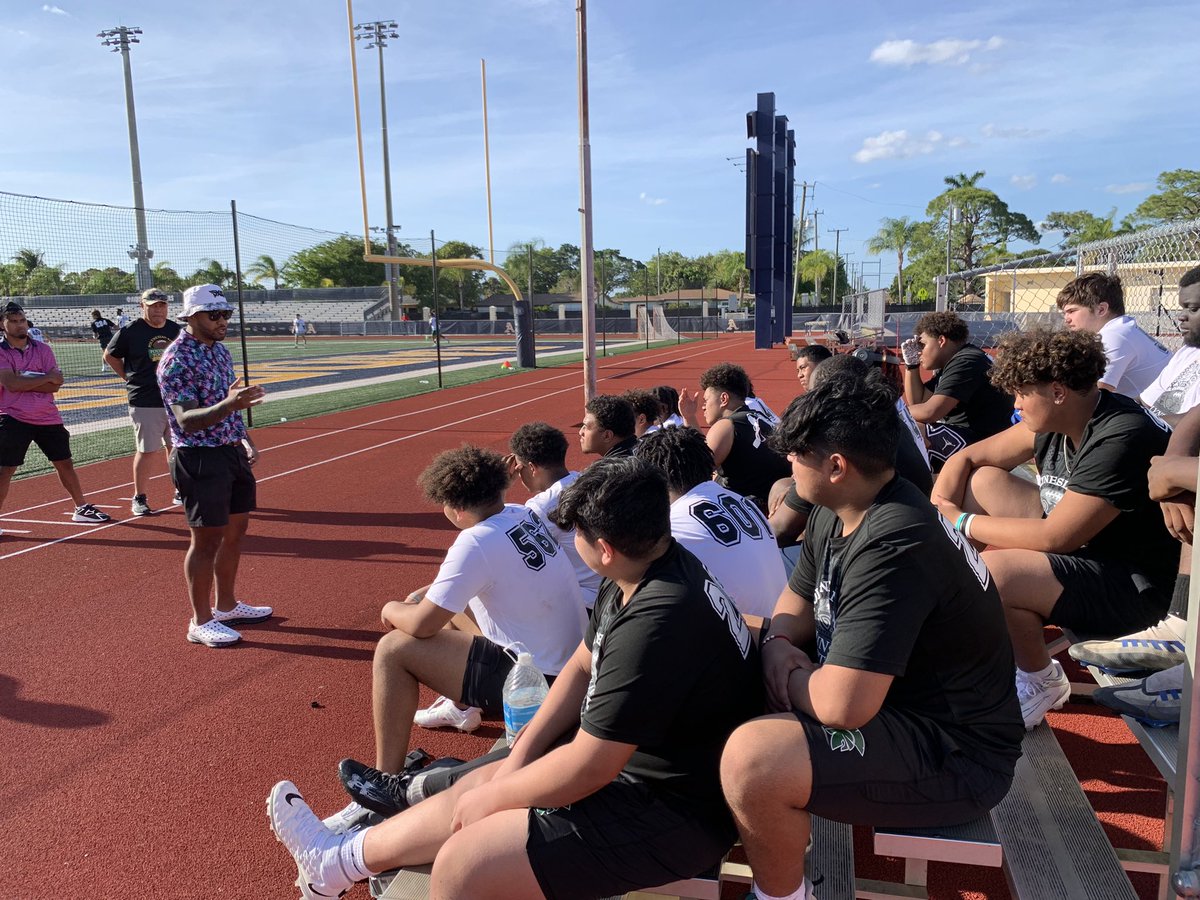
(688, 402)
(245, 397)
(911, 351)
(779, 660)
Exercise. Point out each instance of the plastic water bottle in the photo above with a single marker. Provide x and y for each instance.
(524, 690)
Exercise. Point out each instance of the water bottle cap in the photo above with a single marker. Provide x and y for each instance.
(524, 659)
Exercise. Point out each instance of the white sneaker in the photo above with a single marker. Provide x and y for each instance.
(212, 634)
(444, 714)
(346, 818)
(242, 614)
(1039, 697)
(313, 846)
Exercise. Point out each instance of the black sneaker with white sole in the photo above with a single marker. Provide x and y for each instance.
(89, 515)
(377, 791)
(140, 507)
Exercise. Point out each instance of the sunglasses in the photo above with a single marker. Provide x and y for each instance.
(219, 315)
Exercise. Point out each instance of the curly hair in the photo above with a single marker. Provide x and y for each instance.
(727, 378)
(466, 478)
(1190, 277)
(681, 454)
(1092, 289)
(540, 444)
(612, 413)
(644, 403)
(1074, 359)
(620, 499)
(668, 397)
(845, 413)
(943, 324)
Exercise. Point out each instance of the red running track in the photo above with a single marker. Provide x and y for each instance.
(136, 764)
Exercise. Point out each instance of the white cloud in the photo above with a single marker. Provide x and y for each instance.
(1024, 182)
(948, 51)
(1059, 178)
(901, 145)
(1132, 187)
(1017, 133)
(651, 201)
(56, 10)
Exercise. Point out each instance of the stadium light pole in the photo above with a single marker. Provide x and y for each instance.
(119, 39)
(376, 34)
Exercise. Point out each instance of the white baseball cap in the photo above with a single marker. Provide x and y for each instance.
(203, 298)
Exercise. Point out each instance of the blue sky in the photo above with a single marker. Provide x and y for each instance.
(1063, 109)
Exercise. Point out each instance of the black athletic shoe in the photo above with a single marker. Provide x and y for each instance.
(378, 791)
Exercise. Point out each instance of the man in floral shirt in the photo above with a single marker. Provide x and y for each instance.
(211, 462)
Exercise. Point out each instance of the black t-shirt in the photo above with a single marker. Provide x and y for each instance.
(624, 448)
(751, 466)
(674, 671)
(139, 345)
(982, 408)
(1111, 463)
(906, 595)
(102, 329)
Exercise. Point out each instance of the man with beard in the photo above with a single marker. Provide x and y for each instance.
(134, 354)
(1177, 387)
(211, 462)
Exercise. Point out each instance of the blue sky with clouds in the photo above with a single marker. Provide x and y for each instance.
(1064, 107)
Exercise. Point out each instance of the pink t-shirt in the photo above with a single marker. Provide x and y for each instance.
(30, 407)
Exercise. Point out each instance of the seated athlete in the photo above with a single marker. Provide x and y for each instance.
(613, 786)
(808, 358)
(727, 532)
(1086, 547)
(539, 459)
(789, 515)
(668, 400)
(646, 410)
(737, 435)
(885, 662)
(519, 587)
(959, 405)
(608, 427)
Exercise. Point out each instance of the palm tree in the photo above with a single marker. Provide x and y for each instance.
(29, 260)
(963, 180)
(897, 235)
(815, 266)
(264, 267)
(214, 273)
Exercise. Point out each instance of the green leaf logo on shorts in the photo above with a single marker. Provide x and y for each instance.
(844, 740)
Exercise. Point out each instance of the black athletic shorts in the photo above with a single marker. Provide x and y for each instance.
(214, 482)
(483, 681)
(1103, 598)
(16, 436)
(896, 771)
(946, 440)
(621, 838)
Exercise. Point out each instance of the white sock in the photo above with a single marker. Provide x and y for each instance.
(804, 892)
(1041, 675)
(350, 855)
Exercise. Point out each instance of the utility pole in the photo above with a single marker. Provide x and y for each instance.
(119, 39)
(658, 274)
(951, 215)
(376, 34)
(800, 239)
(837, 243)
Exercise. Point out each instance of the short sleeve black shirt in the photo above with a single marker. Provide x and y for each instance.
(751, 467)
(982, 408)
(1111, 463)
(905, 595)
(674, 671)
(139, 345)
(102, 329)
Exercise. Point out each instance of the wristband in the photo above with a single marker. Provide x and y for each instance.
(958, 523)
(966, 529)
(912, 368)
(771, 637)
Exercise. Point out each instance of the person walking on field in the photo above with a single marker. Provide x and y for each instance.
(102, 330)
(299, 330)
(133, 354)
(211, 463)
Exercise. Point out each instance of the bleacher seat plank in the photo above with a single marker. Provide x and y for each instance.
(1053, 845)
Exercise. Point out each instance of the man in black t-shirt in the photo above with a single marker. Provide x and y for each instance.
(102, 331)
(133, 354)
(1086, 547)
(608, 426)
(959, 405)
(737, 434)
(613, 786)
(886, 660)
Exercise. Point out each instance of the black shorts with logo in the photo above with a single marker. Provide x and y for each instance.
(214, 482)
(1104, 598)
(16, 436)
(483, 679)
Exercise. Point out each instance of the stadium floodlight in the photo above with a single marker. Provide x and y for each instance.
(119, 39)
(376, 35)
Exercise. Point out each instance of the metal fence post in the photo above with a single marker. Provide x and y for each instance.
(237, 264)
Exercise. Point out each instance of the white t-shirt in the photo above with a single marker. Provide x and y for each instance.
(1134, 358)
(299, 325)
(518, 583)
(545, 503)
(757, 404)
(733, 539)
(122, 320)
(36, 334)
(1177, 387)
